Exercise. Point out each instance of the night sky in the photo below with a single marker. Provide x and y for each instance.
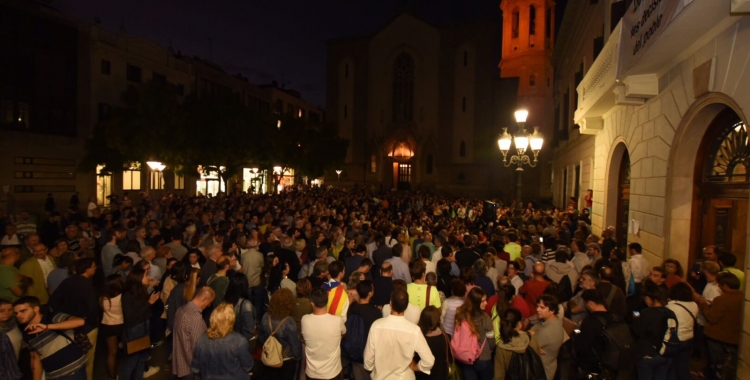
(265, 40)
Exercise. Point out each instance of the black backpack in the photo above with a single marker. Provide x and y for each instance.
(353, 343)
(618, 345)
(526, 366)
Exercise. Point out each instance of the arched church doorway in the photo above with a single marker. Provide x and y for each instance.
(722, 180)
(618, 193)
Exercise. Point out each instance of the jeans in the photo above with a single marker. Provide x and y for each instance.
(680, 367)
(722, 358)
(481, 370)
(655, 368)
(133, 365)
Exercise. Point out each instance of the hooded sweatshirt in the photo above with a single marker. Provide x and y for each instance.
(555, 271)
(505, 351)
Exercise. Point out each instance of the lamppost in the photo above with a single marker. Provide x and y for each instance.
(522, 142)
(338, 174)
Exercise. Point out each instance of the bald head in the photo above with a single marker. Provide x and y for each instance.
(204, 297)
(9, 255)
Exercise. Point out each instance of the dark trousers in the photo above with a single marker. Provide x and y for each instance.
(722, 358)
(680, 367)
(258, 296)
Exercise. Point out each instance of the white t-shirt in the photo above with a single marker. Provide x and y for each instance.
(90, 210)
(322, 335)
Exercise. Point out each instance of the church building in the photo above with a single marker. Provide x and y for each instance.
(422, 105)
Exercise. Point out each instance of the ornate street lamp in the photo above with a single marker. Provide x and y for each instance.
(338, 173)
(522, 142)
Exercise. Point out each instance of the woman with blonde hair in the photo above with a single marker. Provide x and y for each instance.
(222, 353)
(403, 239)
(351, 286)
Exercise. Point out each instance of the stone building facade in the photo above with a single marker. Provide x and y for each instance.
(652, 115)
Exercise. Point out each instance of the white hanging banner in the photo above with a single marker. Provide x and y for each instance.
(642, 24)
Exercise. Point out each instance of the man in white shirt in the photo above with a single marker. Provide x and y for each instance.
(322, 334)
(515, 279)
(10, 238)
(639, 266)
(392, 343)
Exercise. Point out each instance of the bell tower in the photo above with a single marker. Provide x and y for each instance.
(528, 41)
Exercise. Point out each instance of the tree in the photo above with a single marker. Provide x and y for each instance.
(310, 149)
(136, 131)
(214, 131)
(219, 135)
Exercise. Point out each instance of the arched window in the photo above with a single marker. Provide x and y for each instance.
(730, 156)
(532, 80)
(403, 88)
(532, 20)
(429, 164)
(373, 164)
(514, 23)
(462, 149)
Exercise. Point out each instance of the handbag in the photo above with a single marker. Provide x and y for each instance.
(138, 344)
(454, 373)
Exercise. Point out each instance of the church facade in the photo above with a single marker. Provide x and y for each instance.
(422, 106)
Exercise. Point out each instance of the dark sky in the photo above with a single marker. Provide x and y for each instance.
(265, 40)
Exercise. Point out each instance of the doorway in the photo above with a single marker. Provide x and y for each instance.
(623, 200)
(404, 177)
(722, 180)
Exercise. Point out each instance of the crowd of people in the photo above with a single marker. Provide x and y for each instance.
(327, 284)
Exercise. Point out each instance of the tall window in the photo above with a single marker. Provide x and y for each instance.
(462, 149)
(403, 88)
(179, 182)
(157, 180)
(373, 164)
(131, 179)
(532, 80)
(514, 23)
(430, 164)
(532, 20)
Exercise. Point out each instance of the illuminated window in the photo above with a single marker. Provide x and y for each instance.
(131, 179)
(373, 164)
(402, 151)
(157, 180)
(179, 182)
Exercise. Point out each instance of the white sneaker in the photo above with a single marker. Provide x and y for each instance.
(152, 370)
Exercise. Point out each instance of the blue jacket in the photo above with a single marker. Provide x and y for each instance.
(286, 334)
(224, 358)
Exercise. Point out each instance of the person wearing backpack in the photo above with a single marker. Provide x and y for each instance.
(510, 339)
(322, 334)
(282, 348)
(603, 343)
(474, 337)
(650, 330)
(361, 316)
